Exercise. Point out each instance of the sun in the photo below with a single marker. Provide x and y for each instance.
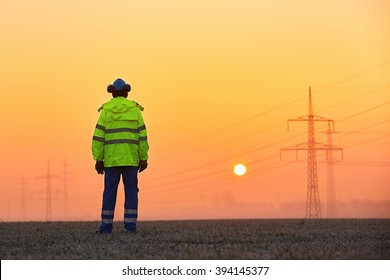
(239, 169)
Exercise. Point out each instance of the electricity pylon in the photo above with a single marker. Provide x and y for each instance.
(65, 188)
(313, 203)
(24, 199)
(48, 178)
(331, 185)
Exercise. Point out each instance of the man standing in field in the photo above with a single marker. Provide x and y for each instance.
(120, 148)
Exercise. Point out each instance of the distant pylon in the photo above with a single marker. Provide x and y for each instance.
(331, 185)
(313, 203)
(65, 178)
(9, 210)
(48, 178)
(331, 193)
(23, 199)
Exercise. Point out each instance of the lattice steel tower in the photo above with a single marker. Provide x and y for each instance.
(313, 203)
(65, 189)
(48, 178)
(331, 193)
(331, 182)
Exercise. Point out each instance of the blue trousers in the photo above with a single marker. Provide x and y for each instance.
(112, 177)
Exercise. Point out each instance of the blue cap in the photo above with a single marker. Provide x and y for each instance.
(119, 84)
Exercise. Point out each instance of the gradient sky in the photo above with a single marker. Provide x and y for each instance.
(218, 80)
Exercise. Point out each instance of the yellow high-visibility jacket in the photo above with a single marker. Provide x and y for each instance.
(120, 137)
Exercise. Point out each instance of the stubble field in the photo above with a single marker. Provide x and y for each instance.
(277, 239)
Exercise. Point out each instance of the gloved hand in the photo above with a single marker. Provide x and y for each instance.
(99, 166)
(143, 164)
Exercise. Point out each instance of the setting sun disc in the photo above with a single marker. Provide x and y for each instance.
(239, 169)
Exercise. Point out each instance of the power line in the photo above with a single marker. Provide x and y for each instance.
(225, 170)
(238, 123)
(194, 188)
(220, 160)
(276, 126)
(353, 77)
(368, 141)
(234, 124)
(280, 106)
(356, 97)
(363, 128)
(259, 148)
(365, 111)
(366, 163)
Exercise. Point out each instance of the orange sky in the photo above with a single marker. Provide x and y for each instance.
(218, 80)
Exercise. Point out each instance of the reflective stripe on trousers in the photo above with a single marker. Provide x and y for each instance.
(131, 219)
(107, 220)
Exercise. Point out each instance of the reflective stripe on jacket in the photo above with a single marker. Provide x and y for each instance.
(120, 137)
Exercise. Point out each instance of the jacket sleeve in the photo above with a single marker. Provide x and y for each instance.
(99, 137)
(142, 138)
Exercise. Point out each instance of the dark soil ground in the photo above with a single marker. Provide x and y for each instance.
(281, 239)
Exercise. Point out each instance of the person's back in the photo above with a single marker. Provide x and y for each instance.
(124, 132)
(120, 147)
